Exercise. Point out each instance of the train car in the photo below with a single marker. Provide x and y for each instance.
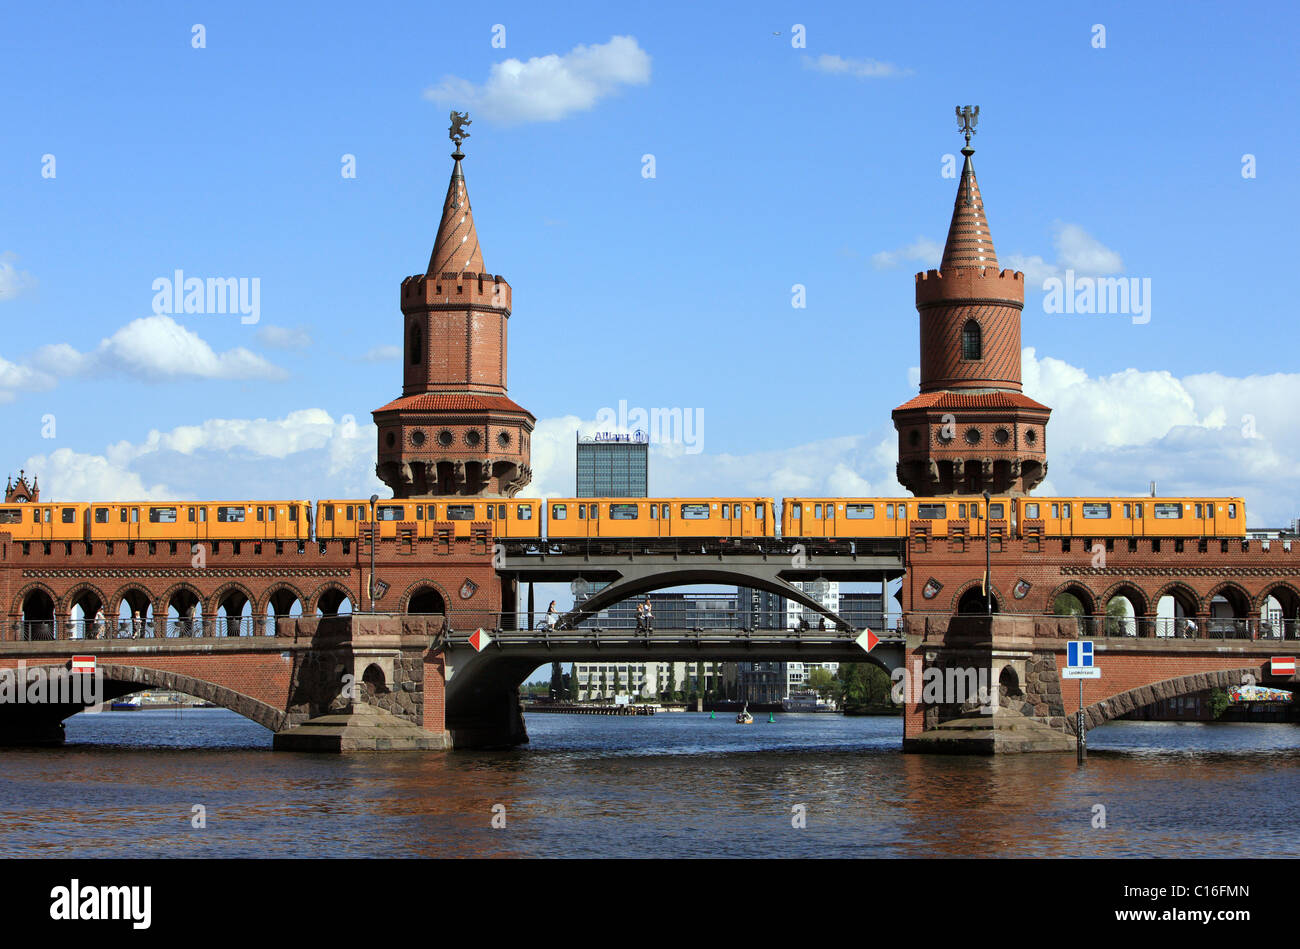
(660, 517)
(848, 518)
(1136, 517)
(29, 521)
(344, 519)
(193, 521)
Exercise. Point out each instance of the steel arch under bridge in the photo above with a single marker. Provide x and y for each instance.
(636, 567)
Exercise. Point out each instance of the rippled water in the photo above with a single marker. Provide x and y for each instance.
(671, 785)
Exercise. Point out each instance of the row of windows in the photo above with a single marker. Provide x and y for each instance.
(155, 515)
(455, 512)
(925, 512)
(1161, 510)
(631, 512)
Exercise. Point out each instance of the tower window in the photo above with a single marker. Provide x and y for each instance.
(417, 345)
(971, 341)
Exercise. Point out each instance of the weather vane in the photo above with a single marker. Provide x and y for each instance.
(968, 117)
(457, 131)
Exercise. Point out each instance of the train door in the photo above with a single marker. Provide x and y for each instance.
(831, 522)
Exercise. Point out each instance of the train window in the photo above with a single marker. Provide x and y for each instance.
(394, 512)
(329, 512)
(69, 515)
(121, 514)
(889, 511)
(272, 513)
(1232, 510)
(931, 512)
(726, 510)
(13, 515)
(664, 511)
(1031, 510)
(293, 512)
(593, 512)
(1096, 511)
(189, 514)
(135, 515)
(101, 515)
(1168, 512)
(654, 512)
(974, 510)
(582, 512)
(695, 512)
(162, 515)
(624, 512)
(1056, 510)
(1065, 510)
(460, 512)
(796, 511)
(758, 511)
(524, 512)
(230, 515)
(501, 512)
(1128, 510)
(261, 516)
(1137, 510)
(203, 515)
(351, 514)
(961, 510)
(997, 510)
(817, 512)
(559, 512)
(1199, 511)
(861, 512)
(419, 512)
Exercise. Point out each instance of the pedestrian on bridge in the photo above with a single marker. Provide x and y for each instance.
(552, 617)
(99, 623)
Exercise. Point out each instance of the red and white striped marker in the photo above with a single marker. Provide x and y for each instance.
(83, 664)
(479, 639)
(1282, 665)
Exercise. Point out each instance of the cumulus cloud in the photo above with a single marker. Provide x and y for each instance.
(921, 251)
(548, 88)
(858, 68)
(15, 379)
(1076, 250)
(12, 280)
(155, 349)
(382, 354)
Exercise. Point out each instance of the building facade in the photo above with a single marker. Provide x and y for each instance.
(613, 466)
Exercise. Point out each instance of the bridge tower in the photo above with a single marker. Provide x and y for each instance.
(971, 428)
(454, 431)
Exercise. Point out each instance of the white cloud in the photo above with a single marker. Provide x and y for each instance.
(12, 280)
(1076, 250)
(155, 349)
(382, 354)
(548, 88)
(15, 378)
(922, 250)
(858, 68)
(281, 337)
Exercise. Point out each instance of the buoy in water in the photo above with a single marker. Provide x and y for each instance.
(711, 715)
(771, 719)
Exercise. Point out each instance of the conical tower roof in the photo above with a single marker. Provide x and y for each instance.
(456, 248)
(969, 242)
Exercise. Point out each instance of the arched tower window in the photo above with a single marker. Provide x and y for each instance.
(972, 345)
(417, 345)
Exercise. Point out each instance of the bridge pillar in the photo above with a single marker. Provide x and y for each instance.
(976, 685)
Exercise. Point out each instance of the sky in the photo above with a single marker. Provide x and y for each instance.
(661, 184)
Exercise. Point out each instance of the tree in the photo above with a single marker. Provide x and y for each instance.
(557, 681)
(567, 683)
(1218, 702)
(864, 684)
(604, 681)
(672, 681)
(821, 680)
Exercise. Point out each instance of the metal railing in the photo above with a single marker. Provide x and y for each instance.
(199, 628)
(1250, 629)
(702, 620)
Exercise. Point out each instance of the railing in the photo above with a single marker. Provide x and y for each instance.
(1251, 629)
(201, 628)
(706, 619)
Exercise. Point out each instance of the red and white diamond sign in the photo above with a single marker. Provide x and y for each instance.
(868, 640)
(1282, 665)
(83, 664)
(479, 639)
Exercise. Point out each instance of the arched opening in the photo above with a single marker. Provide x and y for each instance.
(373, 679)
(972, 342)
(1230, 613)
(1009, 683)
(417, 345)
(426, 600)
(972, 602)
(282, 604)
(38, 616)
(134, 615)
(1123, 610)
(1173, 610)
(184, 614)
(234, 614)
(1073, 601)
(333, 602)
(86, 615)
(1280, 614)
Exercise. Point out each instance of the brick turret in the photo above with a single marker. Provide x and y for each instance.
(454, 431)
(971, 429)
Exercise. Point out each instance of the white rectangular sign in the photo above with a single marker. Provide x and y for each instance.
(1081, 672)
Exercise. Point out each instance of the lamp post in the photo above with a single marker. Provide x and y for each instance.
(988, 577)
(371, 584)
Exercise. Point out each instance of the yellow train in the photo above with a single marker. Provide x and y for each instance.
(563, 519)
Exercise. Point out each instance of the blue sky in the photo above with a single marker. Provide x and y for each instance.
(774, 166)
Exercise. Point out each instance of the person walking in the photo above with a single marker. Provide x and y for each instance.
(552, 617)
(99, 623)
(649, 615)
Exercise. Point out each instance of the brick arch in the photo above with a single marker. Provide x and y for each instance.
(1090, 600)
(1257, 603)
(113, 606)
(17, 606)
(1199, 604)
(1098, 713)
(422, 584)
(254, 709)
(966, 587)
(163, 601)
(214, 601)
(262, 602)
(1222, 589)
(309, 608)
(71, 596)
(1125, 588)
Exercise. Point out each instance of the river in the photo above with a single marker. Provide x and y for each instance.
(127, 783)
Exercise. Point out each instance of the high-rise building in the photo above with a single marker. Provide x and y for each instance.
(613, 465)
